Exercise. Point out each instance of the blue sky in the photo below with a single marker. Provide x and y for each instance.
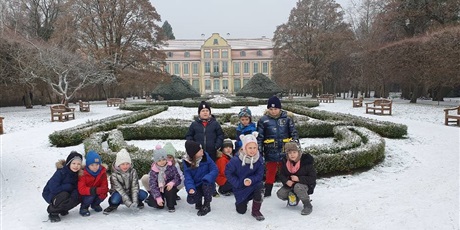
(239, 18)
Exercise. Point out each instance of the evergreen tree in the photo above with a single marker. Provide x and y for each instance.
(168, 30)
(176, 89)
(259, 86)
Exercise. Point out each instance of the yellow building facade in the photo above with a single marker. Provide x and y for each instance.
(217, 65)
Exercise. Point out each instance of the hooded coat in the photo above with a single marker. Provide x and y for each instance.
(63, 180)
(86, 181)
(206, 172)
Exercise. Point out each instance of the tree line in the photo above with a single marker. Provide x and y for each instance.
(410, 46)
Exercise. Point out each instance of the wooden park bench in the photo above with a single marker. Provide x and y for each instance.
(358, 102)
(115, 102)
(455, 116)
(148, 99)
(379, 106)
(326, 98)
(1, 125)
(84, 106)
(60, 112)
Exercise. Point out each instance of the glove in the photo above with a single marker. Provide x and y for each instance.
(92, 191)
(311, 188)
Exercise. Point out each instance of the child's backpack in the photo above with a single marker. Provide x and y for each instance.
(293, 200)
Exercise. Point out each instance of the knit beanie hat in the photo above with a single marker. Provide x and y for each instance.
(122, 157)
(204, 105)
(274, 102)
(291, 146)
(159, 154)
(74, 155)
(170, 150)
(192, 147)
(246, 139)
(227, 143)
(245, 112)
(92, 157)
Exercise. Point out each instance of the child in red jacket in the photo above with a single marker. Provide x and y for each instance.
(92, 184)
(225, 188)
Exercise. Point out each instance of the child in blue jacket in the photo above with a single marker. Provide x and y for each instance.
(200, 174)
(61, 190)
(245, 172)
(246, 126)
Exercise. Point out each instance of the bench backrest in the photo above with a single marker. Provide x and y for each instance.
(59, 108)
(382, 101)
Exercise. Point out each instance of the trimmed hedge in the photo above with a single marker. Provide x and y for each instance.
(76, 135)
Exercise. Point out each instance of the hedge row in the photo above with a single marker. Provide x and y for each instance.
(384, 128)
(76, 135)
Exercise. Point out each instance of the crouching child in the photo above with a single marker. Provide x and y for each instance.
(298, 176)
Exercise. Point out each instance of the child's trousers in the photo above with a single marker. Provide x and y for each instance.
(116, 199)
(62, 202)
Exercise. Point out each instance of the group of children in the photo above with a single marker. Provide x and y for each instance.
(260, 151)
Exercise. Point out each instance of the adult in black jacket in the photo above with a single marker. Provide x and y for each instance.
(298, 175)
(207, 131)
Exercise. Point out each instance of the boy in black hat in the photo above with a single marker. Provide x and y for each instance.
(61, 190)
(206, 130)
(200, 174)
(275, 129)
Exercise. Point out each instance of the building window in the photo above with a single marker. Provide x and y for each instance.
(207, 84)
(186, 68)
(246, 67)
(167, 68)
(245, 81)
(187, 54)
(237, 84)
(225, 67)
(216, 85)
(259, 53)
(255, 67)
(176, 69)
(195, 68)
(170, 54)
(224, 53)
(216, 42)
(215, 67)
(215, 53)
(265, 67)
(207, 54)
(236, 68)
(225, 85)
(196, 84)
(207, 67)
(243, 53)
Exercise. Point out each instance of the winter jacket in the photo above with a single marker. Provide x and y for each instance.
(86, 181)
(221, 163)
(63, 180)
(205, 172)
(306, 172)
(210, 136)
(125, 183)
(240, 129)
(171, 174)
(236, 173)
(275, 129)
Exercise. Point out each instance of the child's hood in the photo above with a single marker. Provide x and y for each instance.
(60, 164)
(288, 113)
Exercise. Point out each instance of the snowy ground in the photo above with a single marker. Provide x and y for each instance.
(416, 187)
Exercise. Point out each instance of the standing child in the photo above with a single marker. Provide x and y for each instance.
(163, 182)
(61, 190)
(246, 126)
(275, 129)
(298, 175)
(225, 188)
(245, 173)
(206, 130)
(124, 184)
(92, 184)
(200, 174)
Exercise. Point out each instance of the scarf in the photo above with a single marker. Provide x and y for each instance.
(161, 177)
(292, 166)
(193, 163)
(94, 174)
(246, 159)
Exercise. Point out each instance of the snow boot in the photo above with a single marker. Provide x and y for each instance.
(97, 208)
(84, 212)
(268, 190)
(256, 210)
(307, 207)
(54, 217)
(64, 213)
(205, 209)
(110, 209)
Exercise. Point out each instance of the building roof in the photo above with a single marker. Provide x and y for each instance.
(236, 43)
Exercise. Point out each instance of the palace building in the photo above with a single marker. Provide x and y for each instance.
(217, 65)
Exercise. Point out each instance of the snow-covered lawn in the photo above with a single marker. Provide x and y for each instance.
(416, 187)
